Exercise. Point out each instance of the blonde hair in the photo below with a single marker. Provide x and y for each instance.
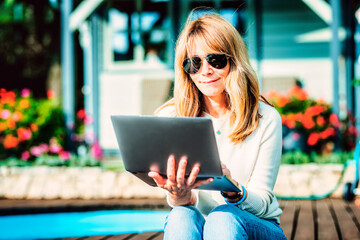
(216, 35)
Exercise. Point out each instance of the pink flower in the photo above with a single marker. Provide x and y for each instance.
(25, 155)
(90, 137)
(44, 147)
(36, 151)
(88, 120)
(296, 136)
(5, 114)
(54, 148)
(25, 93)
(96, 151)
(64, 155)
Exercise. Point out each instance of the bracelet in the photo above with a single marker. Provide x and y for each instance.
(241, 200)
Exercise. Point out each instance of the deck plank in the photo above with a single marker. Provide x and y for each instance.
(305, 225)
(159, 237)
(347, 226)
(326, 225)
(145, 236)
(122, 236)
(96, 237)
(356, 213)
(287, 218)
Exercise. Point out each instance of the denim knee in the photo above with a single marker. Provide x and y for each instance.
(184, 223)
(230, 222)
(223, 223)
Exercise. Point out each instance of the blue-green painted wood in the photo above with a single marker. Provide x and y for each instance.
(283, 22)
(67, 65)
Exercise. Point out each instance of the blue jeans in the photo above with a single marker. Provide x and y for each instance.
(224, 222)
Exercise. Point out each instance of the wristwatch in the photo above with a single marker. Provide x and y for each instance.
(236, 196)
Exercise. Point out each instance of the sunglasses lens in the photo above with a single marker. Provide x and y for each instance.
(218, 61)
(192, 65)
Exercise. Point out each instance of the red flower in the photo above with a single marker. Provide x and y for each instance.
(281, 100)
(320, 121)
(353, 130)
(308, 122)
(314, 110)
(334, 120)
(7, 97)
(10, 141)
(64, 155)
(299, 93)
(290, 120)
(313, 139)
(327, 133)
(24, 134)
(50, 94)
(81, 114)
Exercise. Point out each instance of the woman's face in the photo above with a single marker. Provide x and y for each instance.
(209, 80)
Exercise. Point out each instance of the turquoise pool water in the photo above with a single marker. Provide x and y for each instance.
(78, 224)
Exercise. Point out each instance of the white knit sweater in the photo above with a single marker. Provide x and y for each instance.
(254, 163)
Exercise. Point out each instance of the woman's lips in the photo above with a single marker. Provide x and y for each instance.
(208, 82)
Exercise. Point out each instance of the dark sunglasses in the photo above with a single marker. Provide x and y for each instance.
(192, 65)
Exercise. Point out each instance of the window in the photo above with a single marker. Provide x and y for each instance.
(140, 31)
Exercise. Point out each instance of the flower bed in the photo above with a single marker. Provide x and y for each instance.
(33, 132)
(311, 126)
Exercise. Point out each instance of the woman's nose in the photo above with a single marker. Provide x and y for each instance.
(206, 68)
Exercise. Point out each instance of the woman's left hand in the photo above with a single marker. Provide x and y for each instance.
(227, 173)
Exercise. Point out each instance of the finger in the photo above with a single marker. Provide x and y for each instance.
(225, 170)
(180, 176)
(170, 170)
(159, 180)
(202, 182)
(193, 174)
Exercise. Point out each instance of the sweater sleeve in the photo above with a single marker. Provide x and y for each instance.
(260, 186)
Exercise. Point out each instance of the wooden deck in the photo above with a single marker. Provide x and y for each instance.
(325, 219)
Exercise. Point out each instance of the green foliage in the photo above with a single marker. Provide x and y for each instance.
(299, 157)
(333, 158)
(74, 161)
(296, 157)
(53, 161)
(356, 81)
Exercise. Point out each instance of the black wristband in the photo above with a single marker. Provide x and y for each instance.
(225, 195)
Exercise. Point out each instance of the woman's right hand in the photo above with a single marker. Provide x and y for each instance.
(178, 187)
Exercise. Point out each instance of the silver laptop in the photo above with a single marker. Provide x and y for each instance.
(146, 142)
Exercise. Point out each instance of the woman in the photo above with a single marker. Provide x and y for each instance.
(213, 78)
